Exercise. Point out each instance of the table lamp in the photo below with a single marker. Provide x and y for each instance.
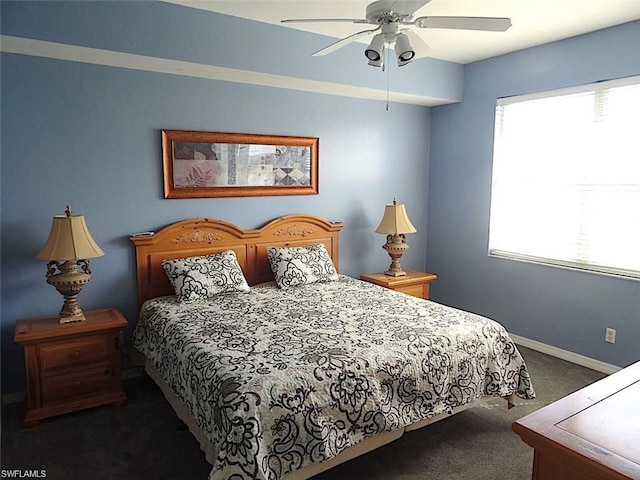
(395, 223)
(68, 247)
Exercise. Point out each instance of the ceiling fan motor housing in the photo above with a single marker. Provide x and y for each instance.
(381, 12)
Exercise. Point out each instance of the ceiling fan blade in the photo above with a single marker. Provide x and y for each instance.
(421, 48)
(490, 24)
(344, 20)
(407, 7)
(341, 43)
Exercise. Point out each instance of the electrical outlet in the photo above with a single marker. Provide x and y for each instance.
(610, 335)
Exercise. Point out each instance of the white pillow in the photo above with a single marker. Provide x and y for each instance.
(194, 278)
(296, 266)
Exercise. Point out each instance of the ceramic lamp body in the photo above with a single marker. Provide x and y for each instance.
(72, 276)
(395, 247)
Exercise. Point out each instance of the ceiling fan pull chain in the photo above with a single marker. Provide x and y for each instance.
(388, 73)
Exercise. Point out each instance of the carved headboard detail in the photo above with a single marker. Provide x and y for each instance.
(202, 236)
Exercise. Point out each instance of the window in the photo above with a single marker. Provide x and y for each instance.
(566, 178)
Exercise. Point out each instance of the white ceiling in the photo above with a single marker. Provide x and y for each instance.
(534, 21)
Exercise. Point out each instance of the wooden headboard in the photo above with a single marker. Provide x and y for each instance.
(202, 236)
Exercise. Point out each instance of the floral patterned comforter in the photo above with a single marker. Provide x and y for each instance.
(278, 379)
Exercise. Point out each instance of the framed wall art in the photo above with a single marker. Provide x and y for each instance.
(214, 164)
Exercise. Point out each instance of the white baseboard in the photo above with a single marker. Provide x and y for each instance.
(131, 372)
(14, 397)
(572, 357)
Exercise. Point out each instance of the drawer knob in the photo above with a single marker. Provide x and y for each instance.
(76, 383)
(75, 355)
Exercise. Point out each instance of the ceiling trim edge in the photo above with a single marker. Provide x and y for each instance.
(75, 53)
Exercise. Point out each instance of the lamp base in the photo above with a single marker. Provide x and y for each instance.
(395, 247)
(71, 318)
(401, 273)
(72, 277)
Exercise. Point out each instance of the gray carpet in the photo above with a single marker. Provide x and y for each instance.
(145, 440)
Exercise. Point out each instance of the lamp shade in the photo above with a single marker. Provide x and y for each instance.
(395, 220)
(69, 239)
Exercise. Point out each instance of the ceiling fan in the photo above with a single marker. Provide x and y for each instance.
(393, 20)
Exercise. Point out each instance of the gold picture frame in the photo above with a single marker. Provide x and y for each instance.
(216, 164)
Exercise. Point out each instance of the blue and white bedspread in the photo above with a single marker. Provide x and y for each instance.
(278, 379)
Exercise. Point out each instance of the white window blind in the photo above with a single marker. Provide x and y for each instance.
(566, 178)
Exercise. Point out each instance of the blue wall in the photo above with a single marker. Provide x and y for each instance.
(163, 30)
(563, 308)
(89, 136)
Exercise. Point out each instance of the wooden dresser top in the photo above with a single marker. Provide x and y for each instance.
(600, 422)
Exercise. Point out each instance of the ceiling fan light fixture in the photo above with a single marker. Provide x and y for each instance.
(392, 18)
(376, 63)
(404, 51)
(374, 50)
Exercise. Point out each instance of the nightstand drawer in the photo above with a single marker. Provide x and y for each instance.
(82, 351)
(72, 366)
(414, 290)
(67, 387)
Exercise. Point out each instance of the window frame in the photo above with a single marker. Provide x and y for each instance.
(541, 260)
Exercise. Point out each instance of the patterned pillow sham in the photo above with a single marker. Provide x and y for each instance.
(194, 278)
(297, 266)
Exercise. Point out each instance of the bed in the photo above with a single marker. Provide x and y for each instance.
(288, 382)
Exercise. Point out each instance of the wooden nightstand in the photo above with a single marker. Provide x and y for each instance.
(72, 366)
(413, 283)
